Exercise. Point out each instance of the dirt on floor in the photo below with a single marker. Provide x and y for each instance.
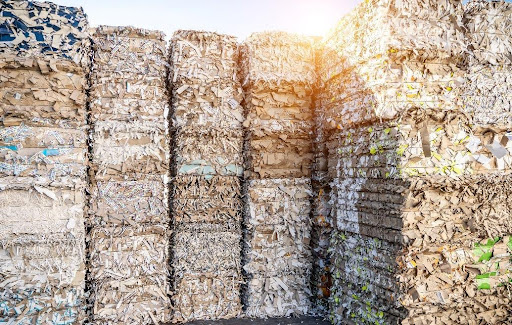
(273, 321)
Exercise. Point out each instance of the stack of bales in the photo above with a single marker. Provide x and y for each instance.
(128, 213)
(321, 216)
(421, 226)
(207, 169)
(43, 148)
(278, 71)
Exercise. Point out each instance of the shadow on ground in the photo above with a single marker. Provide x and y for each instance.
(273, 321)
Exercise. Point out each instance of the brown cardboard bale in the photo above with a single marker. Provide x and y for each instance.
(129, 202)
(208, 152)
(197, 199)
(128, 268)
(206, 297)
(278, 296)
(203, 248)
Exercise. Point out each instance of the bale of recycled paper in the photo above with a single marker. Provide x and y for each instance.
(216, 200)
(196, 246)
(278, 296)
(206, 297)
(119, 202)
(488, 62)
(44, 29)
(204, 82)
(128, 269)
(208, 152)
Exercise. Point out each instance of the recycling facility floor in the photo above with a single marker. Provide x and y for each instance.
(272, 321)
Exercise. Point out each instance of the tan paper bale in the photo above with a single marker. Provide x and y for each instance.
(198, 199)
(208, 152)
(206, 249)
(206, 297)
(278, 296)
(136, 147)
(128, 267)
(129, 202)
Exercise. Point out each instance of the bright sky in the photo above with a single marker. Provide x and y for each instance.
(234, 17)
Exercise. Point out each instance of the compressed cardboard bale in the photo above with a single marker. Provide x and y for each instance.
(120, 147)
(130, 49)
(208, 152)
(486, 93)
(128, 269)
(277, 247)
(278, 202)
(258, 59)
(203, 55)
(278, 296)
(36, 29)
(444, 144)
(129, 202)
(31, 94)
(381, 26)
(272, 250)
(141, 301)
(206, 297)
(488, 32)
(43, 262)
(204, 81)
(278, 157)
(212, 200)
(376, 60)
(44, 274)
(387, 86)
(42, 152)
(197, 245)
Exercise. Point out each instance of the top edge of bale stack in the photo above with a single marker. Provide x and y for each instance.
(295, 64)
(426, 29)
(201, 35)
(129, 31)
(63, 36)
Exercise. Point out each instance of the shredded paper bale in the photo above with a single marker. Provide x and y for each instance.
(128, 214)
(207, 169)
(278, 77)
(44, 52)
(488, 62)
(419, 176)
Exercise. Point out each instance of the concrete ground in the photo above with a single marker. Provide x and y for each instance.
(273, 321)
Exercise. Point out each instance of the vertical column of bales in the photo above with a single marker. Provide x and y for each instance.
(322, 225)
(486, 98)
(278, 72)
(43, 148)
(207, 172)
(128, 214)
(417, 237)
